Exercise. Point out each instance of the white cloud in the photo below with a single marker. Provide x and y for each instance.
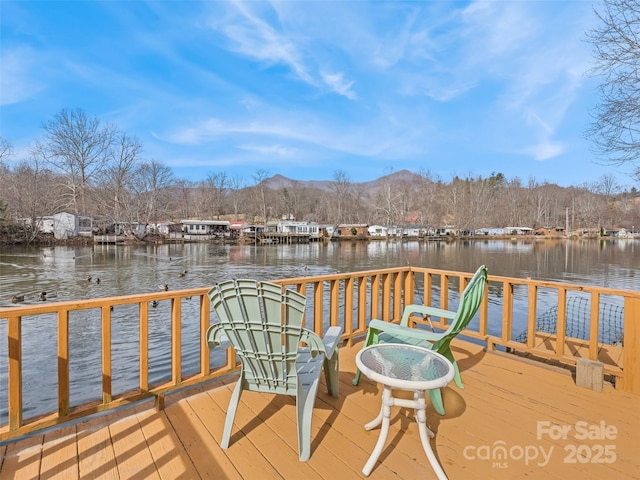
(17, 82)
(337, 83)
(544, 151)
(252, 36)
(271, 150)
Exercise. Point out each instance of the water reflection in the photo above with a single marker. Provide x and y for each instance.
(73, 273)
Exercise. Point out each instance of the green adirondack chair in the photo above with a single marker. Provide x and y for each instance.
(387, 332)
(263, 323)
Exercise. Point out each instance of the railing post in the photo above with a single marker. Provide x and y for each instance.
(318, 292)
(176, 341)
(334, 303)
(561, 330)
(631, 350)
(205, 320)
(507, 312)
(533, 314)
(106, 355)
(144, 346)
(349, 286)
(14, 344)
(409, 288)
(63, 363)
(594, 326)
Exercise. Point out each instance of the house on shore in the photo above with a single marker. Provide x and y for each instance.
(346, 231)
(205, 229)
(63, 225)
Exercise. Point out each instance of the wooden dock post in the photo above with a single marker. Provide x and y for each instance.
(590, 374)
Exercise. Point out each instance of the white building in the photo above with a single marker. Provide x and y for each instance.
(378, 231)
(300, 228)
(194, 229)
(63, 225)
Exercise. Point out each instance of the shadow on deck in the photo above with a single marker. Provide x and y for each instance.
(513, 419)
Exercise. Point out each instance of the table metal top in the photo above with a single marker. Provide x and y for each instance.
(405, 366)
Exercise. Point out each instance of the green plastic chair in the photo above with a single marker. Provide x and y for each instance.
(387, 332)
(263, 323)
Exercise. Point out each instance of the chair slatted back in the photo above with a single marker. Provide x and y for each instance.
(263, 323)
(470, 301)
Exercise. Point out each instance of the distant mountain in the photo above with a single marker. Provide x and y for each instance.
(403, 176)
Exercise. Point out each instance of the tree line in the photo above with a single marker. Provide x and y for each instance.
(82, 165)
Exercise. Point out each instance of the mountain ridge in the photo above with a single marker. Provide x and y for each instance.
(279, 181)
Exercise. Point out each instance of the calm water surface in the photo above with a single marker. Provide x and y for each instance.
(68, 273)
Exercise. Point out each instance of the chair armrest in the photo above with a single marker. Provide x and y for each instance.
(326, 345)
(429, 311)
(331, 339)
(402, 331)
(425, 311)
(215, 335)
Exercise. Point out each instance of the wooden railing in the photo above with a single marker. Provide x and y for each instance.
(349, 300)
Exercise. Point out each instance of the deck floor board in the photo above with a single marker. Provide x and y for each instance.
(503, 400)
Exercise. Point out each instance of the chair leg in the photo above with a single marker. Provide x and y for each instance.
(231, 413)
(356, 379)
(436, 400)
(331, 373)
(449, 355)
(305, 400)
(457, 377)
(372, 337)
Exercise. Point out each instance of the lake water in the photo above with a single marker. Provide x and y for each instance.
(68, 273)
(134, 269)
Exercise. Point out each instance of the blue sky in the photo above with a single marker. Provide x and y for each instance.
(305, 88)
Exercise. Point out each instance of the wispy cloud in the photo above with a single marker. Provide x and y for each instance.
(17, 82)
(544, 151)
(254, 37)
(337, 83)
(279, 151)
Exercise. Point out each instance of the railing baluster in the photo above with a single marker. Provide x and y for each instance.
(318, 300)
(205, 319)
(63, 363)
(532, 292)
(507, 311)
(349, 290)
(375, 296)
(334, 302)
(631, 352)
(14, 349)
(562, 321)
(594, 330)
(144, 346)
(106, 355)
(176, 341)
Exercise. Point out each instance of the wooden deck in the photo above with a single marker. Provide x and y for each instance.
(505, 401)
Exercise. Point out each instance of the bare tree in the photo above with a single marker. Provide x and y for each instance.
(6, 151)
(152, 182)
(607, 185)
(116, 179)
(615, 131)
(341, 188)
(187, 198)
(33, 192)
(78, 147)
(235, 184)
(427, 201)
(387, 202)
(216, 186)
(259, 189)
